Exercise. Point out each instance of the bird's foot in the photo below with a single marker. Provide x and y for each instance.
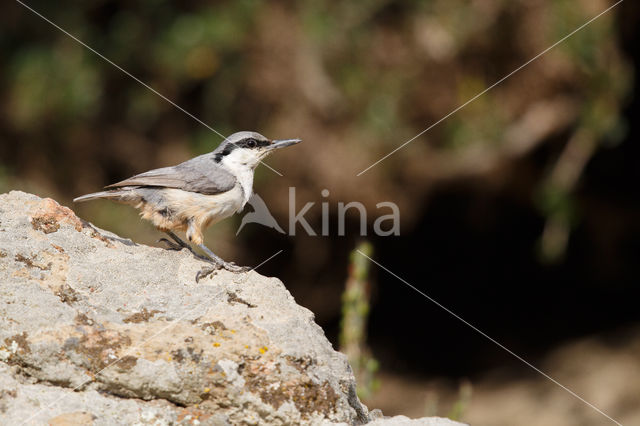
(216, 266)
(217, 263)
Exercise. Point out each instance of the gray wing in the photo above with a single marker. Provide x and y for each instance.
(201, 174)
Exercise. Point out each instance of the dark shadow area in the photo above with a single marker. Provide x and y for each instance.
(474, 251)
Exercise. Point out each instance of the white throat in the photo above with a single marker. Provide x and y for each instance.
(242, 165)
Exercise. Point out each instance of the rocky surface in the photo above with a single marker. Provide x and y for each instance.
(95, 329)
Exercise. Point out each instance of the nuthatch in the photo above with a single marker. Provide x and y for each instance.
(197, 193)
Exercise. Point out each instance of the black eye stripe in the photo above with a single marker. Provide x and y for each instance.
(252, 143)
(227, 149)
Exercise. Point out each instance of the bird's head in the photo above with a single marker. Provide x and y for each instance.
(248, 148)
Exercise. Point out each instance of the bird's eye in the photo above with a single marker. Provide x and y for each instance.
(251, 143)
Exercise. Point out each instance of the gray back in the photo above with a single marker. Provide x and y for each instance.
(200, 174)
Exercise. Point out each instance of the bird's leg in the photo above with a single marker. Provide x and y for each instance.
(178, 244)
(218, 263)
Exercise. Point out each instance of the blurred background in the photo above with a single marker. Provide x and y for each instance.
(519, 212)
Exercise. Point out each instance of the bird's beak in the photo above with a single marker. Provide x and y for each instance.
(277, 144)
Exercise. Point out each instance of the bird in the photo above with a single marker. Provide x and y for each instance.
(197, 193)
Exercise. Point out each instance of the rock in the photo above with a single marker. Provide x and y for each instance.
(406, 421)
(95, 329)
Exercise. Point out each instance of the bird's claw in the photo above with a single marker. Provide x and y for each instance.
(215, 267)
(230, 266)
(206, 271)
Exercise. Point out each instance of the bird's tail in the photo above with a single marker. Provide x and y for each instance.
(117, 195)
